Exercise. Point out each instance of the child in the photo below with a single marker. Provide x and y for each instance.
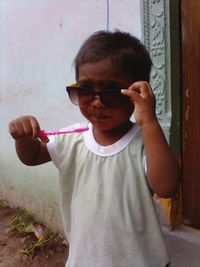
(107, 173)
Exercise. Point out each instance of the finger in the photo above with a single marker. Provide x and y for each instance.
(28, 130)
(35, 127)
(133, 94)
(20, 129)
(17, 130)
(13, 130)
(36, 130)
(142, 87)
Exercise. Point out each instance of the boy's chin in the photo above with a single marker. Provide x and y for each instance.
(110, 127)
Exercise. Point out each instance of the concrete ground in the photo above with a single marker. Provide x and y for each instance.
(183, 246)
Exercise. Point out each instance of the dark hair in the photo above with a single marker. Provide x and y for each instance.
(125, 51)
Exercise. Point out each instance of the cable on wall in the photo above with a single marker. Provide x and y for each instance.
(107, 15)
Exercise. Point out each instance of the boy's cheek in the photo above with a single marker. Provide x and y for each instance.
(84, 112)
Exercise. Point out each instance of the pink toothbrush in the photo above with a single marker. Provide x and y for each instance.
(75, 130)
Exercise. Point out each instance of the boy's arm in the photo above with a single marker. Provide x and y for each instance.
(30, 150)
(163, 172)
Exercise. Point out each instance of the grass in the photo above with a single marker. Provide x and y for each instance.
(25, 224)
(20, 222)
(2, 204)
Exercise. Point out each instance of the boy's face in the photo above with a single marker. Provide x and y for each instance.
(102, 114)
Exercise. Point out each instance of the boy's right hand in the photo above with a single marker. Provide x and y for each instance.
(26, 126)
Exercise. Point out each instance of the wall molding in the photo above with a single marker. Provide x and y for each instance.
(156, 37)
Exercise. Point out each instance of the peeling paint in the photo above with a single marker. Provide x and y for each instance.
(187, 92)
(187, 112)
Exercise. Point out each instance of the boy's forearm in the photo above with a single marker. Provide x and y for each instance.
(28, 150)
(162, 168)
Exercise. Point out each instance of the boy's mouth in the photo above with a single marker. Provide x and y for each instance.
(99, 117)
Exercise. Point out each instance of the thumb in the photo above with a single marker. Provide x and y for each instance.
(44, 138)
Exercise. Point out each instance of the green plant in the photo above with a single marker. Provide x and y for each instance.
(26, 226)
(2, 204)
(31, 248)
(20, 222)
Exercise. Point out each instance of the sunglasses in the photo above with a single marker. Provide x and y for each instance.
(82, 96)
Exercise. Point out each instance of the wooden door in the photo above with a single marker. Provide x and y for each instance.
(190, 22)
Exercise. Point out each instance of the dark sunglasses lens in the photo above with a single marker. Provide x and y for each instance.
(79, 96)
(73, 94)
(84, 96)
(114, 98)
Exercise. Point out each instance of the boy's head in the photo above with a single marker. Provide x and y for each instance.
(125, 51)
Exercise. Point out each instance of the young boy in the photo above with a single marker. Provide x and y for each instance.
(108, 173)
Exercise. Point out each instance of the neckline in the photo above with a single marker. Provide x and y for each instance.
(113, 149)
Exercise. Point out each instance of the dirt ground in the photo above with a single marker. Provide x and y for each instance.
(52, 254)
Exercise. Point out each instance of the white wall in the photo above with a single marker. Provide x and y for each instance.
(39, 40)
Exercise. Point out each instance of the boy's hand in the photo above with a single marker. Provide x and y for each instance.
(143, 100)
(26, 126)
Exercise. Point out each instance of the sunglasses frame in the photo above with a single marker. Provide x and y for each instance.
(93, 93)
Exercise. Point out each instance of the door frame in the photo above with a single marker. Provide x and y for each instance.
(161, 35)
(160, 20)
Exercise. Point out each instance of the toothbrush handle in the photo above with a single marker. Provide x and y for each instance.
(45, 133)
(78, 130)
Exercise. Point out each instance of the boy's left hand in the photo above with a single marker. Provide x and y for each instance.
(143, 99)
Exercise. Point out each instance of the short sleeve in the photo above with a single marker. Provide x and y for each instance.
(51, 146)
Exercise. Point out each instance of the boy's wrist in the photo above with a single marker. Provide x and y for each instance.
(150, 123)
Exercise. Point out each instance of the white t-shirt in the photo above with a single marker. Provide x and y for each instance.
(108, 213)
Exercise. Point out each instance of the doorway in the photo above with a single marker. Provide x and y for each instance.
(190, 23)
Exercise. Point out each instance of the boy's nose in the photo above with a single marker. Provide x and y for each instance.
(97, 102)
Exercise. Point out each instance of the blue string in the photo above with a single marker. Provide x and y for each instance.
(107, 15)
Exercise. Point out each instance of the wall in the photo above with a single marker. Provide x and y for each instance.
(39, 40)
